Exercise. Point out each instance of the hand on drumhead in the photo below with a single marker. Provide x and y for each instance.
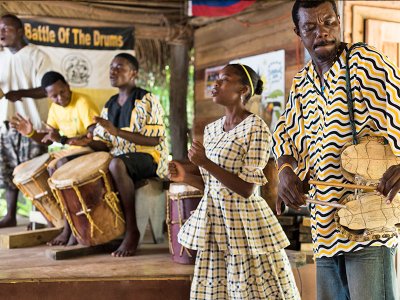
(176, 172)
(107, 125)
(83, 140)
(24, 126)
(389, 185)
(197, 154)
(290, 191)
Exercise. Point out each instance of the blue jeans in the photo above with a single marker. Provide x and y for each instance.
(368, 274)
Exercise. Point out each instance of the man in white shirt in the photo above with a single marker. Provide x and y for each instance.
(22, 67)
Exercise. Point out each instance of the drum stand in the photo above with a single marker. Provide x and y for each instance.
(150, 208)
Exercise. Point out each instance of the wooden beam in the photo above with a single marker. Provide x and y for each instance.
(72, 8)
(66, 252)
(28, 238)
(155, 4)
(178, 93)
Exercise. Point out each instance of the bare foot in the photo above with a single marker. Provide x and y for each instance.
(8, 222)
(128, 246)
(61, 239)
(72, 240)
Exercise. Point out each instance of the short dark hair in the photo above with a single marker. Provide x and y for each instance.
(51, 78)
(309, 4)
(245, 80)
(132, 60)
(17, 21)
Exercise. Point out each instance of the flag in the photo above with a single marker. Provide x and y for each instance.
(217, 8)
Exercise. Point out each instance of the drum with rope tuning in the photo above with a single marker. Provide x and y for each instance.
(85, 191)
(182, 201)
(31, 177)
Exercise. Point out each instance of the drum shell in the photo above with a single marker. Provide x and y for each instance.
(179, 208)
(84, 188)
(104, 218)
(38, 191)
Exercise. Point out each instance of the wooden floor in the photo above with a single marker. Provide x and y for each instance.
(28, 273)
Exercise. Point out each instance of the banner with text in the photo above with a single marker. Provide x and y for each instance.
(82, 54)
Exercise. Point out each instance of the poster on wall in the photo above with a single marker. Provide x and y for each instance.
(271, 68)
(82, 54)
(211, 75)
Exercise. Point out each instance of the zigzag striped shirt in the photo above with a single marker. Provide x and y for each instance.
(316, 125)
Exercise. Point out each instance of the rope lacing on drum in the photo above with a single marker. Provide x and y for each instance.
(111, 199)
(86, 212)
(58, 197)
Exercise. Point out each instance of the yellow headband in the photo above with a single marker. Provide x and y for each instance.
(251, 82)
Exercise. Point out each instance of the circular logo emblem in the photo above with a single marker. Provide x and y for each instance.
(77, 69)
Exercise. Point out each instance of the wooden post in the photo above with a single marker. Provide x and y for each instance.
(179, 67)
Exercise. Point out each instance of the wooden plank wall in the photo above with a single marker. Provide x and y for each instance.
(268, 29)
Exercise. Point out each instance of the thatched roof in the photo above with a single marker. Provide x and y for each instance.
(157, 23)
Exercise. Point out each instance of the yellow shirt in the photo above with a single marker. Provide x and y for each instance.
(74, 119)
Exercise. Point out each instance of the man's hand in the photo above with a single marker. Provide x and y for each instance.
(52, 134)
(290, 190)
(197, 154)
(107, 125)
(83, 140)
(389, 185)
(22, 125)
(13, 96)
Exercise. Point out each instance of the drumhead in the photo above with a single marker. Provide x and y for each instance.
(28, 169)
(81, 169)
(175, 188)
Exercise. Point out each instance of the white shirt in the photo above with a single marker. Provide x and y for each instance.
(23, 70)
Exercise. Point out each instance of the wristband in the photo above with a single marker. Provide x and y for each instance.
(285, 165)
(63, 140)
(31, 134)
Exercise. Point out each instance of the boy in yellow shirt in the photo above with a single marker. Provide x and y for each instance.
(71, 114)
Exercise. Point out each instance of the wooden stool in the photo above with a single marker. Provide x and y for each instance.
(150, 207)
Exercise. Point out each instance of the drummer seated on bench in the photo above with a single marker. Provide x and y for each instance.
(131, 127)
(72, 114)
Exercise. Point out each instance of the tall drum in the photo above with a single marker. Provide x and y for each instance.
(31, 179)
(182, 200)
(84, 189)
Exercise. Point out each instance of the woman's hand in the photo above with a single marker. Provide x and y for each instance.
(197, 154)
(176, 171)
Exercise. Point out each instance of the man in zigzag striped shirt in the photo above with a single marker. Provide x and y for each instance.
(311, 134)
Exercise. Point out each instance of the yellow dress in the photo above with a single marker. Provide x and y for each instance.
(240, 241)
